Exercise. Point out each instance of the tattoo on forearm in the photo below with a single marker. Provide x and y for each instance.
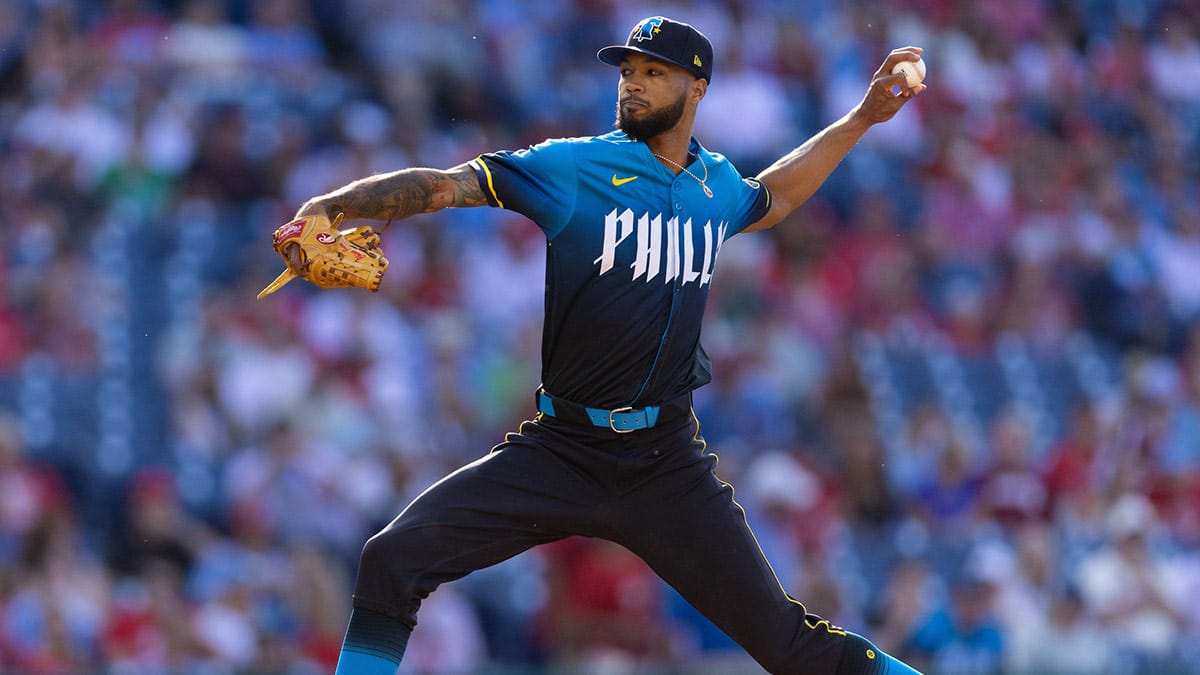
(467, 191)
(404, 193)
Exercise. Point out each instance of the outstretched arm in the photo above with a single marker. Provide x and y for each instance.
(395, 195)
(794, 177)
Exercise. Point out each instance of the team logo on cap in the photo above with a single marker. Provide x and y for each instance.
(647, 29)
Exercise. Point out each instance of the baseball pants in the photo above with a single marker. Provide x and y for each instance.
(653, 491)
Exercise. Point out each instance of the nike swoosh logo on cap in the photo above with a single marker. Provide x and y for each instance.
(622, 181)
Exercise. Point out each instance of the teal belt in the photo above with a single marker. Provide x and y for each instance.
(621, 420)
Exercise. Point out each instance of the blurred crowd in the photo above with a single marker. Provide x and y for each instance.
(187, 474)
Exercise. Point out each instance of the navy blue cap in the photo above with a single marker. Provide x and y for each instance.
(672, 41)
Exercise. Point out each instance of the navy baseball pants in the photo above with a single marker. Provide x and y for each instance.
(653, 491)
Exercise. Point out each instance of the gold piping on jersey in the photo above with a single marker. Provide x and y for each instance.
(508, 437)
(491, 187)
(813, 625)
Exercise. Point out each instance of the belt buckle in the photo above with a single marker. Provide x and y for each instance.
(612, 424)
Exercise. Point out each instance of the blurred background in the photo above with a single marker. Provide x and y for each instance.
(958, 391)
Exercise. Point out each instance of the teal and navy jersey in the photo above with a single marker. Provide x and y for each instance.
(629, 259)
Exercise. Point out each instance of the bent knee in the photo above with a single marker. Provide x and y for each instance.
(393, 575)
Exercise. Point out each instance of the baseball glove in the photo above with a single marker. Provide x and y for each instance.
(313, 248)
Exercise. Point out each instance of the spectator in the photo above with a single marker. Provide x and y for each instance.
(603, 607)
(1068, 641)
(1012, 491)
(965, 636)
(1132, 592)
(157, 532)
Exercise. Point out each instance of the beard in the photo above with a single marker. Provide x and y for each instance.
(654, 123)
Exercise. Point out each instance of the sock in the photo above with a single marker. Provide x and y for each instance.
(897, 667)
(374, 644)
(358, 663)
(860, 657)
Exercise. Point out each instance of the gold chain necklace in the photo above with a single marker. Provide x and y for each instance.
(707, 193)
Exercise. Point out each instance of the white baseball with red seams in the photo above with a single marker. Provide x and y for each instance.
(914, 72)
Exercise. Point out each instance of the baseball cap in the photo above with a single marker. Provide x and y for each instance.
(672, 41)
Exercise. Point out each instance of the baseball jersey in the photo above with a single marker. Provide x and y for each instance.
(630, 253)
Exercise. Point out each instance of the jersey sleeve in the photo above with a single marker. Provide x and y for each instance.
(539, 182)
(753, 202)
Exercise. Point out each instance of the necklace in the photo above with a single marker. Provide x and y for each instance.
(707, 193)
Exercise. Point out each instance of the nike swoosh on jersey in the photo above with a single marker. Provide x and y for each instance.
(622, 181)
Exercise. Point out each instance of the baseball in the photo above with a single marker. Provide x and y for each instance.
(914, 71)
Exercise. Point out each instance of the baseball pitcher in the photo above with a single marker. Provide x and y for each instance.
(634, 220)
